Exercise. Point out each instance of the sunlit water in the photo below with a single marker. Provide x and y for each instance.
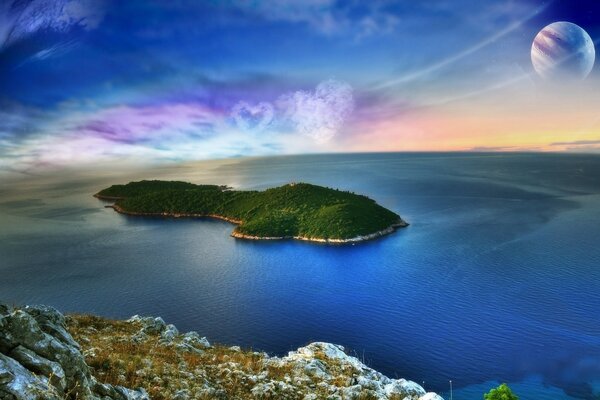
(496, 279)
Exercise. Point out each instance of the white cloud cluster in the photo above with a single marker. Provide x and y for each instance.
(321, 113)
(318, 114)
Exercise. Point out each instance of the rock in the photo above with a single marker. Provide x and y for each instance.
(326, 351)
(139, 337)
(405, 388)
(263, 389)
(153, 326)
(41, 366)
(169, 333)
(7, 370)
(52, 322)
(431, 396)
(149, 325)
(315, 358)
(18, 383)
(105, 390)
(316, 368)
(39, 359)
(183, 394)
(5, 309)
(186, 348)
(352, 392)
(24, 330)
(194, 339)
(120, 392)
(135, 318)
(128, 394)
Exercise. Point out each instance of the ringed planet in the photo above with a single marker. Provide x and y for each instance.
(563, 50)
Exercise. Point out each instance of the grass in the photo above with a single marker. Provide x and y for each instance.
(292, 210)
(218, 372)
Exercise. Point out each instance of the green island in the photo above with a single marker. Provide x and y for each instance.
(297, 210)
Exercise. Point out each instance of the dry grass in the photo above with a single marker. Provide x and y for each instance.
(218, 372)
(160, 369)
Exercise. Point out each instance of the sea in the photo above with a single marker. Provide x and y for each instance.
(497, 278)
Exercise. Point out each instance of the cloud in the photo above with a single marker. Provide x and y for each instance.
(321, 113)
(18, 121)
(21, 19)
(576, 143)
(485, 149)
(149, 124)
(79, 134)
(328, 17)
(252, 117)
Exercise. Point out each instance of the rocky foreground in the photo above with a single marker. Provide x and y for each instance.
(45, 355)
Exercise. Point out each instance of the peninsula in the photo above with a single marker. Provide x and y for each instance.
(294, 211)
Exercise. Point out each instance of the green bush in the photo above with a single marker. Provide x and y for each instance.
(502, 392)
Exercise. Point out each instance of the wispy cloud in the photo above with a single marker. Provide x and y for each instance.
(76, 134)
(445, 62)
(21, 19)
(485, 149)
(149, 124)
(577, 143)
(328, 17)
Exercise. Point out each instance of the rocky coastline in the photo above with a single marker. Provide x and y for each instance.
(45, 355)
(363, 238)
(173, 215)
(239, 235)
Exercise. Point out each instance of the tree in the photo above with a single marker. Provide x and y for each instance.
(502, 392)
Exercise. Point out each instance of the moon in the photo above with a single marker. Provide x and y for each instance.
(563, 50)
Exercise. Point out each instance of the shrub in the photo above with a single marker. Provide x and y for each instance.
(502, 392)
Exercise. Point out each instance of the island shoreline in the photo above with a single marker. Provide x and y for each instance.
(238, 235)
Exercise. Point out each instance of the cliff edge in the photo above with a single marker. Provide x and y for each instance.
(45, 355)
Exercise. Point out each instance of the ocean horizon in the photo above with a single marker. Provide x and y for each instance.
(496, 279)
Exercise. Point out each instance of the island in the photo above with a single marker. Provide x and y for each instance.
(299, 211)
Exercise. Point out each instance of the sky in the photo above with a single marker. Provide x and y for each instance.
(86, 82)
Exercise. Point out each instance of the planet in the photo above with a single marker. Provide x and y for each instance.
(563, 50)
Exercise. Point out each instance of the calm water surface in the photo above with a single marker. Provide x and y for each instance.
(496, 279)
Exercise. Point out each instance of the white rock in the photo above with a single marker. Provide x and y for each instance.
(431, 396)
(16, 382)
(169, 334)
(262, 389)
(194, 339)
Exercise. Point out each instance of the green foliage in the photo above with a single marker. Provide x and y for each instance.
(291, 210)
(502, 392)
(145, 187)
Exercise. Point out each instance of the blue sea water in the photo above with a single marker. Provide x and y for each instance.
(497, 279)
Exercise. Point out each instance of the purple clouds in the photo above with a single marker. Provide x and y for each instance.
(151, 124)
(171, 130)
